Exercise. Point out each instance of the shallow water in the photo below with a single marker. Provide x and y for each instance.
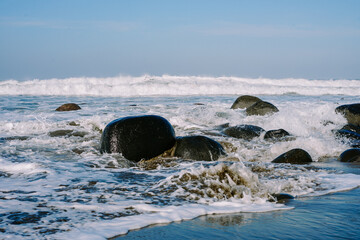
(331, 216)
(54, 183)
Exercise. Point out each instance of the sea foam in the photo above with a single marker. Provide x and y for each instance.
(168, 85)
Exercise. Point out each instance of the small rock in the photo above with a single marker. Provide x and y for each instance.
(245, 101)
(247, 132)
(294, 156)
(350, 155)
(261, 108)
(198, 148)
(351, 112)
(276, 134)
(68, 107)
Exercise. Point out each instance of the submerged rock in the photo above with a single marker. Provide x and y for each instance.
(294, 156)
(247, 132)
(68, 107)
(245, 101)
(138, 137)
(198, 148)
(351, 112)
(277, 134)
(350, 155)
(261, 108)
(282, 197)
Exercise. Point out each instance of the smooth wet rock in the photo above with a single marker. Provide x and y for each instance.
(139, 137)
(351, 128)
(282, 197)
(247, 132)
(294, 156)
(198, 148)
(245, 101)
(277, 134)
(344, 133)
(261, 108)
(67, 133)
(351, 112)
(350, 155)
(60, 133)
(68, 107)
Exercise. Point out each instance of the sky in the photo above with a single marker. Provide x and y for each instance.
(313, 39)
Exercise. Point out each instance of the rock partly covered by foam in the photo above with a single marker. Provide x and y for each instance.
(198, 148)
(294, 156)
(68, 107)
(261, 108)
(349, 134)
(350, 155)
(243, 131)
(276, 135)
(245, 101)
(138, 137)
(351, 112)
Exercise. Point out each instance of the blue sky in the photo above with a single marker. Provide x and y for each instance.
(312, 39)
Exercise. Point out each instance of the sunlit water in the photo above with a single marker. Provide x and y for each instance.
(54, 183)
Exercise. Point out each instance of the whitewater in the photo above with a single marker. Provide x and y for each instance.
(55, 184)
(147, 85)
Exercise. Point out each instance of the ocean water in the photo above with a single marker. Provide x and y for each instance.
(54, 183)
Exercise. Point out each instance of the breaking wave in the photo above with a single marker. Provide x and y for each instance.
(167, 85)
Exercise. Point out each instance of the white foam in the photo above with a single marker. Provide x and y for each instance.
(161, 215)
(177, 86)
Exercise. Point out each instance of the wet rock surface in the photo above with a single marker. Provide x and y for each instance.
(244, 131)
(245, 101)
(138, 137)
(294, 156)
(68, 107)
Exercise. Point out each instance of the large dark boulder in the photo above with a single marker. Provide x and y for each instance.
(261, 108)
(245, 101)
(198, 148)
(247, 132)
(277, 134)
(294, 156)
(351, 112)
(139, 137)
(68, 107)
(350, 155)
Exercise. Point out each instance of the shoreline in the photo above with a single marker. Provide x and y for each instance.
(330, 216)
(334, 215)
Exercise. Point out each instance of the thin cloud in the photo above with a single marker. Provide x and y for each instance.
(257, 30)
(76, 25)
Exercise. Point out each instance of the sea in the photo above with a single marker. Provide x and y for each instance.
(55, 183)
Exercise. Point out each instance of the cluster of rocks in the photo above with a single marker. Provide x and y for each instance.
(150, 136)
(350, 133)
(254, 105)
(249, 132)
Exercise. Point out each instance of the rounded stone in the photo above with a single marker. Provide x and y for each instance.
(351, 112)
(294, 156)
(276, 134)
(68, 107)
(138, 137)
(261, 108)
(245, 101)
(350, 155)
(198, 148)
(247, 132)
